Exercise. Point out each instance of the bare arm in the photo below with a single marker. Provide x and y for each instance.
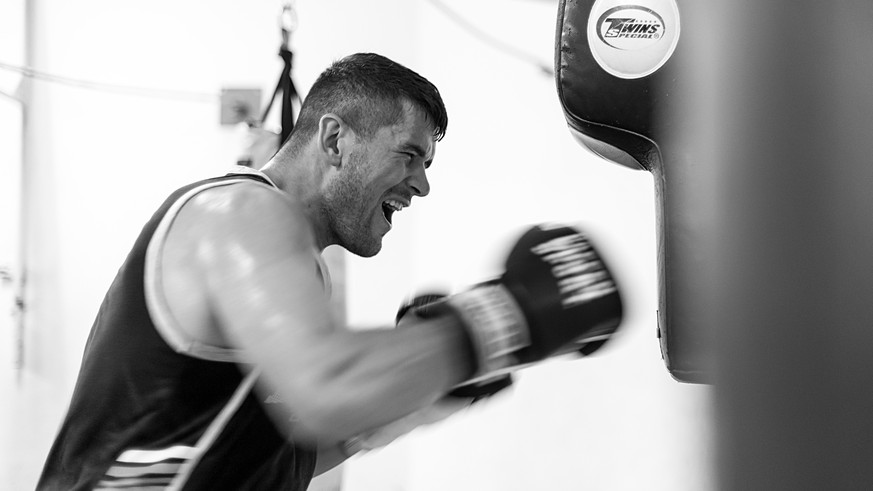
(329, 457)
(256, 258)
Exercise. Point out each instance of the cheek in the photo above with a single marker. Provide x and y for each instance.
(393, 174)
(379, 175)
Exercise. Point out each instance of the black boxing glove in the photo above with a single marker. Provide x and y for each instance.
(475, 390)
(555, 297)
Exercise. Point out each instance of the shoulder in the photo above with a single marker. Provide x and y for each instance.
(231, 250)
(242, 216)
(248, 205)
(240, 196)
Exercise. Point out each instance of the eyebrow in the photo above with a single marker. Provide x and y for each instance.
(413, 148)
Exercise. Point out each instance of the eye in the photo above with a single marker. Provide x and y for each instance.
(411, 158)
(408, 157)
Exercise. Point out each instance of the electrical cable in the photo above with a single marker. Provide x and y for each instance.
(491, 40)
(191, 96)
(10, 96)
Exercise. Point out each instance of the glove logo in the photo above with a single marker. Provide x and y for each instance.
(581, 276)
(633, 40)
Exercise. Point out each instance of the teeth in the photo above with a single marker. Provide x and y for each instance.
(394, 204)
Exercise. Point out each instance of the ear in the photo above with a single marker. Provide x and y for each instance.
(334, 136)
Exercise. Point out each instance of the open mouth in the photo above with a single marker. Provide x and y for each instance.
(389, 207)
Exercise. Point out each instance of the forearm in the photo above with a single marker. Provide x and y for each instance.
(397, 372)
(353, 381)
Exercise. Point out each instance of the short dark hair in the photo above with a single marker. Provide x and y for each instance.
(367, 90)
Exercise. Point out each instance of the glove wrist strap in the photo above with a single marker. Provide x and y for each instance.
(496, 326)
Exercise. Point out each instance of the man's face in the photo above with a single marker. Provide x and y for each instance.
(379, 177)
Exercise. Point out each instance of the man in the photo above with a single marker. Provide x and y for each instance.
(215, 362)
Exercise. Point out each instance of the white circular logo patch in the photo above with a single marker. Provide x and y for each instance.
(633, 40)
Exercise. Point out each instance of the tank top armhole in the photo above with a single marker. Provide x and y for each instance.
(158, 307)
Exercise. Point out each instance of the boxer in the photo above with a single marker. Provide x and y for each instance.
(214, 361)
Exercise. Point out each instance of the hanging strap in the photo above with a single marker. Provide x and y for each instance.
(285, 86)
(289, 94)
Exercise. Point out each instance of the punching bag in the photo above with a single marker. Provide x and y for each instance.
(618, 74)
(758, 130)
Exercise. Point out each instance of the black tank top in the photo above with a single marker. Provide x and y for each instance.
(152, 410)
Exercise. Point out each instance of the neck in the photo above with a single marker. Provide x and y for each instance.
(302, 185)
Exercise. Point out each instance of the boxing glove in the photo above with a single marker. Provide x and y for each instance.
(556, 296)
(475, 390)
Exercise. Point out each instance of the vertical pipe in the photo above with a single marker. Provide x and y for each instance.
(27, 141)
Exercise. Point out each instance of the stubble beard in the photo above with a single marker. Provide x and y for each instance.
(347, 214)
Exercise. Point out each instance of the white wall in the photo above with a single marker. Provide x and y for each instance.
(104, 160)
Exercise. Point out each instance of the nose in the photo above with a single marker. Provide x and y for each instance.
(418, 181)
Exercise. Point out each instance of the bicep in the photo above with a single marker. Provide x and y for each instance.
(259, 266)
(262, 300)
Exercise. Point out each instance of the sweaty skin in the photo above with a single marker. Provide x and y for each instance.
(240, 269)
